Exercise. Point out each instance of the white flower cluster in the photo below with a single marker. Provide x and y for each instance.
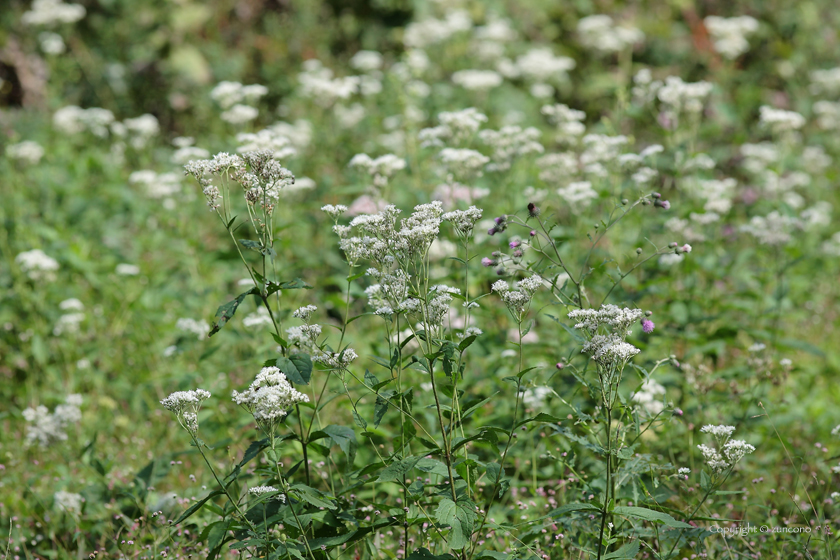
(45, 428)
(534, 397)
(27, 151)
(825, 81)
(140, 129)
(259, 318)
(366, 61)
(381, 168)
(334, 211)
(237, 100)
(758, 157)
(610, 316)
(578, 194)
(464, 220)
(258, 173)
(74, 120)
(269, 398)
(600, 33)
(186, 152)
(509, 143)
(304, 336)
(318, 82)
(539, 65)
(157, 185)
(427, 32)
(732, 451)
(51, 43)
(186, 405)
(463, 162)
(610, 350)
(679, 96)
(268, 139)
(52, 12)
(828, 114)
(729, 35)
(68, 501)
(772, 229)
(569, 122)
(304, 313)
(69, 322)
(335, 360)
(127, 269)
(779, 120)
(477, 80)
(518, 299)
(263, 490)
(199, 328)
(455, 128)
(37, 265)
(648, 396)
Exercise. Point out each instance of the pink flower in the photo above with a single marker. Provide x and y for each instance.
(647, 325)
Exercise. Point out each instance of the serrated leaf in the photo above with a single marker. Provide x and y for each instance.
(303, 364)
(312, 496)
(398, 469)
(296, 284)
(650, 515)
(424, 554)
(345, 438)
(198, 505)
(226, 312)
(626, 552)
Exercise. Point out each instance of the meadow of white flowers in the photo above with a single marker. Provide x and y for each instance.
(422, 280)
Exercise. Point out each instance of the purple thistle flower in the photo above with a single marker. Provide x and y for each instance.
(492, 231)
(533, 233)
(647, 326)
(514, 244)
(486, 261)
(664, 204)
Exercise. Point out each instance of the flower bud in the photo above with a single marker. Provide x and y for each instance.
(664, 204)
(656, 195)
(638, 250)
(625, 202)
(533, 233)
(533, 210)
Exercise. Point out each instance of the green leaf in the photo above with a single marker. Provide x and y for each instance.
(398, 469)
(303, 364)
(312, 496)
(626, 552)
(581, 440)
(345, 438)
(568, 508)
(216, 537)
(226, 312)
(460, 517)
(296, 284)
(424, 554)
(198, 505)
(650, 515)
(464, 344)
(381, 406)
(494, 473)
(253, 245)
(288, 367)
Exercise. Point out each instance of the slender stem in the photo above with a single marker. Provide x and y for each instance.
(233, 502)
(285, 484)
